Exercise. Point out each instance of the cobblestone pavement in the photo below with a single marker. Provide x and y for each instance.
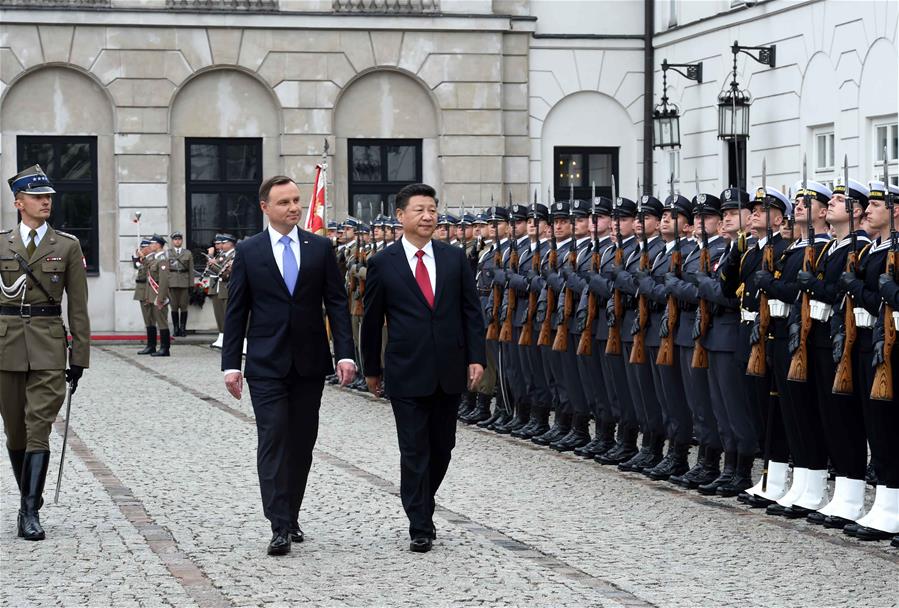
(160, 506)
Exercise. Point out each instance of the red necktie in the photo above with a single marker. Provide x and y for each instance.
(423, 279)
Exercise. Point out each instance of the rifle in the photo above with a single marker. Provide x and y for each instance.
(799, 364)
(666, 347)
(505, 334)
(585, 345)
(638, 350)
(882, 388)
(527, 332)
(493, 328)
(613, 345)
(359, 308)
(356, 254)
(842, 382)
(560, 343)
(552, 263)
(757, 362)
(700, 358)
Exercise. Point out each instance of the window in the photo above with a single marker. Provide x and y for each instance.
(223, 179)
(71, 165)
(886, 139)
(378, 168)
(824, 151)
(581, 168)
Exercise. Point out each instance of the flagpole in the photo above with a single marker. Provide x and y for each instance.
(325, 186)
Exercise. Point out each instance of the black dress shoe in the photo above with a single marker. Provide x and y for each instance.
(866, 533)
(421, 544)
(776, 509)
(816, 517)
(280, 544)
(851, 528)
(796, 512)
(895, 541)
(759, 502)
(837, 523)
(296, 535)
(621, 452)
(589, 450)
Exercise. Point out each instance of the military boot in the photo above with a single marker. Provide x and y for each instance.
(538, 424)
(176, 324)
(165, 342)
(521, 418)
(500, 413)
(481, 410)
(625, 448)
(727, 474)
(711, 469)
(561, 426)
(466, 404)
(150, 348)
(578, 436)
(34, 474)
(674, 463)
(686, 480)
(742, 478)
(183, 323)
(649, 455)
(606, 436)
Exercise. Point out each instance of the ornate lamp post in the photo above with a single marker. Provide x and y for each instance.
(666, 116)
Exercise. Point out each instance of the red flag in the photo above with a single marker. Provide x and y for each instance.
(315, 214)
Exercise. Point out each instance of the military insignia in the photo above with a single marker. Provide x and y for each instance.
(727, 195)
(52, 259)
(701, 198)
(162, 267)
(645, 198)
(760, 192)
(559, 206)
(54, 278)
(618, 202)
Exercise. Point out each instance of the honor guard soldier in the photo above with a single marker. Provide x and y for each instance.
(158, 293)
(181, 266)
(37, 266)
(141, 261)
(214, 264)
(226, 259)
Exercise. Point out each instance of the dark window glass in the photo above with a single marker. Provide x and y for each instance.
(582, 168)
(379, 168)
(71, 165)
(222, 190)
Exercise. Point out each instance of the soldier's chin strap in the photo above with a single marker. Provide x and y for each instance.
(24, 266)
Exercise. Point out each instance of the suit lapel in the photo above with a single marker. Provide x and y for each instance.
(398, 255)
(305, 256)
(440, 266)
(268, 260)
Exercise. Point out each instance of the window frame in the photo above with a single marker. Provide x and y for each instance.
(583, 192)
(91, 186)
(384, 187)
(219, 186)
(893, 160)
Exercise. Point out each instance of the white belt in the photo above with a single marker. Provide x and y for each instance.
(778, 309)
(863, 318)
(896, 319)
(747, 316)
(819, 311)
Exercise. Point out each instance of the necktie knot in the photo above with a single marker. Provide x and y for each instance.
(420, 253)
(285, 240)
(32, 242)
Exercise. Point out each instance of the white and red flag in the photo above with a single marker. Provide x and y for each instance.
(315, 214)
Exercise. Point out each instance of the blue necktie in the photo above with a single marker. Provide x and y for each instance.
(289, 264)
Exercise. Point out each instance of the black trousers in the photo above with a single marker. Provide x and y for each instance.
(426, 430)
(842, 421)
(287, 426)
(881, 417)
(696, 388)
(672, 399)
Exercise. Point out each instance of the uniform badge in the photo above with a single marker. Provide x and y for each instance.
(760, 192)
(54, 278)
(645, 198)
(727, 195)
(162, 267)
(52, 259)
(701, 198)
(559, 206)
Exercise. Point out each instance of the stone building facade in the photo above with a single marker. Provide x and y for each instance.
(177, 108)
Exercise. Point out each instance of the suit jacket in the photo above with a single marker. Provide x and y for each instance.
(427, 348)
(285, 331)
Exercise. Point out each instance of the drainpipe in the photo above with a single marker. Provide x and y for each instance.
(648, 79)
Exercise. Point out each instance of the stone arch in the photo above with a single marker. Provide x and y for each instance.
(404, 109)
(565, 126)
(221, 102)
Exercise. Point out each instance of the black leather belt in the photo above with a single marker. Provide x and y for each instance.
(27, 310)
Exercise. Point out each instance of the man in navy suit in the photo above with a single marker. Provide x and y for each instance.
(425, 290)
(280, 280)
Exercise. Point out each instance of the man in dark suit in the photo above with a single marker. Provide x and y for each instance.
(425, 290)
(280, 280)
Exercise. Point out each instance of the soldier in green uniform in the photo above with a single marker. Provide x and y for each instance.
(37, 264)
(181, 265)
(141, 260)
(229, 242)
(158, 293)
(214, 265)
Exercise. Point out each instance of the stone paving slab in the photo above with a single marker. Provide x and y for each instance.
(160, 506)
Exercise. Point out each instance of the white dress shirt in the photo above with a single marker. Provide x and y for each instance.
(278, 251)
(24, 230)
(278, 246)
(428, 259)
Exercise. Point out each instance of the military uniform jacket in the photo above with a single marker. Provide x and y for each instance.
(576, 283)
(39, 343)
(181, 267)
(485, 276)
(627, 283)
(654, 287)
(785, 288)
(140, 281)
(605, 245)
(866, 294)
(157, 272)
(686, 290)
(227, 259)
(723, 334)
(603, 283)
(519, 281)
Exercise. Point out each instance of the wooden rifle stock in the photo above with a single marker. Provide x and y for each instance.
(613, 345)
(546, 329)
(585, 345)
(882, 388)
(842, 382)
(666, 346)
(358, 307)
(638, 352)
(799, 363)
(560, 343)
(757, 357)
(505, 333)
(493, 328)
(527, 332)
(700, 358)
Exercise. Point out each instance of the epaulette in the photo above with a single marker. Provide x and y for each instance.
(67, 235)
